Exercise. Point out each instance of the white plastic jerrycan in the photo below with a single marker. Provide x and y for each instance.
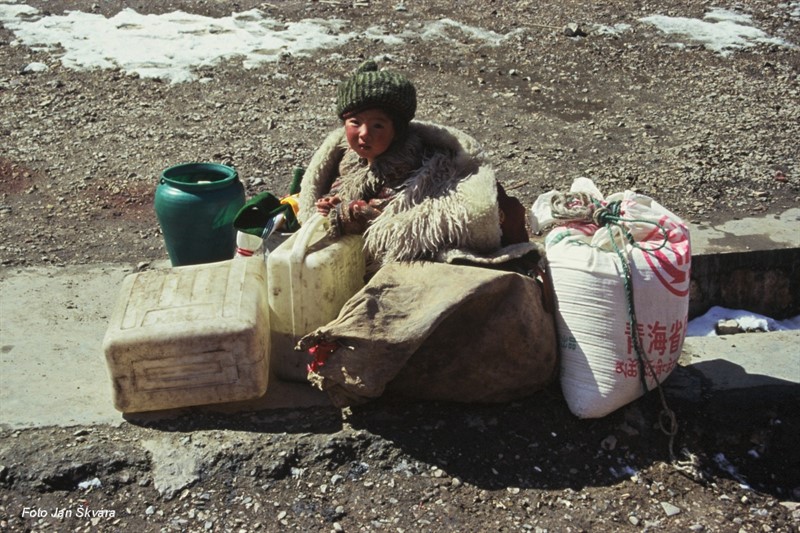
(310, 276)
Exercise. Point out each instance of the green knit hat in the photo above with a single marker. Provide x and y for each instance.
(369, 87)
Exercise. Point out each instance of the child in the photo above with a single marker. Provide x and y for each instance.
(415, 190)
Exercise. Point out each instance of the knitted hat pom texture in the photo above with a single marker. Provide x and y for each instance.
(369, 88)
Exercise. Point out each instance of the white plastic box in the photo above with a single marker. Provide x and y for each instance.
(191, 335)
(310, 277)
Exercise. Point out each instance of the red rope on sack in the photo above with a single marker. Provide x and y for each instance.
(321, 352)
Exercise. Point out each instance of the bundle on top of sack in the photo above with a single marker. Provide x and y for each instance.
(620, 268)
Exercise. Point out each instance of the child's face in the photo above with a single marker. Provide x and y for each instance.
(369, 133)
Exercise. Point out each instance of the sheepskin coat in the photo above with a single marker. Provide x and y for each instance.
(445, 196)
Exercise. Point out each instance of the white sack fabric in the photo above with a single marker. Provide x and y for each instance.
(620, 279)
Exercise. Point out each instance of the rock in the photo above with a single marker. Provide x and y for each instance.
(792, 506)
(727, 327)
(609, 443)
(670, 509)
(35, 67)
(174, 468)
(573, 29)
(93, 483)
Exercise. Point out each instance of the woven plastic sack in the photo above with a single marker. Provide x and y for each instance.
(620, 281)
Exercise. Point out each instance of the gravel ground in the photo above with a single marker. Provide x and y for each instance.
(710, 137)
(399, 466)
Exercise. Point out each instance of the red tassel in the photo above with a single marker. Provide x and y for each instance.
(321, 352)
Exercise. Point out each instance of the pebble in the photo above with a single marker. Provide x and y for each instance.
(792, 506)
(727, 327)
(90, 484)
(670, 509)
(609, 443)
(573, 29)
(35, 67)
(150, 510)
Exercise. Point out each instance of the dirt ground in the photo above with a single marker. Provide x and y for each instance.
(711, 138)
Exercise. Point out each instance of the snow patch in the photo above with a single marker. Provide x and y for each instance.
(721, 30)
(172, 45)
(704, 326)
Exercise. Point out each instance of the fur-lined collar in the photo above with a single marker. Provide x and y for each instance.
(447, 202)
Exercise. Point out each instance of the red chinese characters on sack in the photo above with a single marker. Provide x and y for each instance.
(657, 340)
(671, 264)
(630, 367)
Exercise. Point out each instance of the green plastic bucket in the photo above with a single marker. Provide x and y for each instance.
(195, 204)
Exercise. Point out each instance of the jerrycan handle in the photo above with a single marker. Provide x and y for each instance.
(296, 258)
(304, 236)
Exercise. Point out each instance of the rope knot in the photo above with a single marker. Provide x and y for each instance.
(575, 206)
(604, 215)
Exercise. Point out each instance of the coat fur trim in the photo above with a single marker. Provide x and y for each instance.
(449, 203)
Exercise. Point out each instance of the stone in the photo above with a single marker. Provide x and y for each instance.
(573, 29)
(173, 468)
(609, 443)
(727, 327)
(35, 67)
(670, 509)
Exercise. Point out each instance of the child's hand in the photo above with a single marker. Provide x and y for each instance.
(366, 211)
(326, 204)
(353, 218)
